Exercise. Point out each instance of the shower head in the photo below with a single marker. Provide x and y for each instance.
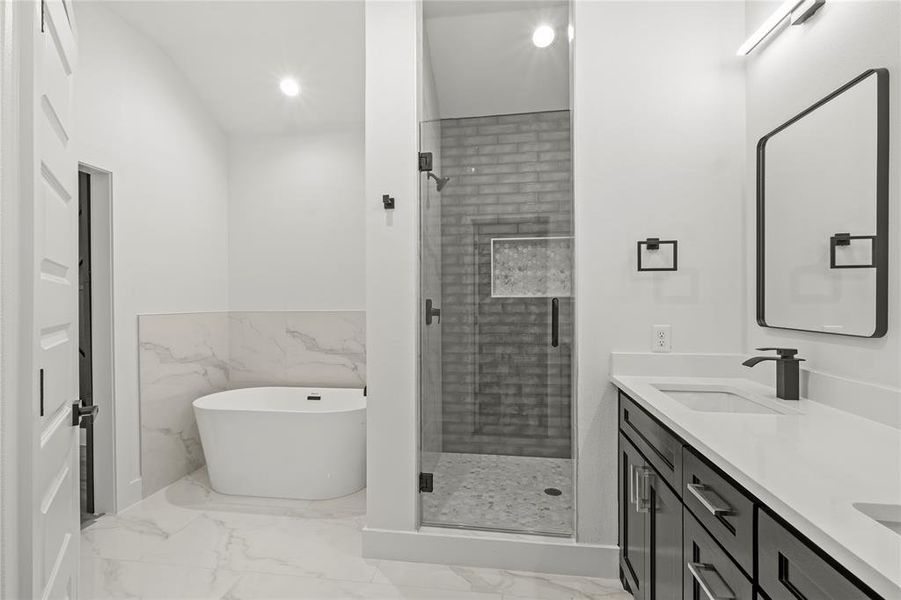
(439, 181)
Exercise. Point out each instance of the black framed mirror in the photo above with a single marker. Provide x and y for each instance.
(822, 214)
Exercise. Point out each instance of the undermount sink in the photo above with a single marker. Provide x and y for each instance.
(722, 399)
(887, 515)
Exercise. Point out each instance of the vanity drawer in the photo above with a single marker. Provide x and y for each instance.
(789, 569)
(660, 447)
(721, 507)
(708, 572)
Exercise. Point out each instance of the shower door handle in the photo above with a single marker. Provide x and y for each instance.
(555, 322)
(431, 311)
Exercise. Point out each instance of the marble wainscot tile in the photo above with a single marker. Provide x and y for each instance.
(182, 357)
(299, 348)
(256, 348)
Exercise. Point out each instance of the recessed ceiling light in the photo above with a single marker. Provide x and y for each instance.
(289, 86)
(543, 36)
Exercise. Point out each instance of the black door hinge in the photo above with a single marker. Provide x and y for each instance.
(425, 161)
(425, 482)
(41, 390)
(43, 10)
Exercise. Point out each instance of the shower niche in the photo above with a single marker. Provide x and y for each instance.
(533, 267)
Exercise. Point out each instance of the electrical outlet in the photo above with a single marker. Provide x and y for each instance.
(662, 340)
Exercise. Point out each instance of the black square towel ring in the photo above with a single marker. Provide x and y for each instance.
(843, 240)
(653, 245)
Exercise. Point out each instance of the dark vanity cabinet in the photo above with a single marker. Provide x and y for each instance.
(650, 525)
(689, 532)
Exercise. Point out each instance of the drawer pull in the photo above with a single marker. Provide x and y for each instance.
(714, 587)
(709, 499)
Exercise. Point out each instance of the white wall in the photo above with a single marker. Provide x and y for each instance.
(658, 148)
(138, 118)
(392, 311)
(296, 225)
(797, 68)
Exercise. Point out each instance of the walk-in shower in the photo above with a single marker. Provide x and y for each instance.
(496, 255)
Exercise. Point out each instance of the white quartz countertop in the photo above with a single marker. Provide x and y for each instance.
(810, 468)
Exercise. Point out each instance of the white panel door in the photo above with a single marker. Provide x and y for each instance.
(55, 479)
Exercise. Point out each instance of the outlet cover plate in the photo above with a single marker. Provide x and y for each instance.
(662, 339)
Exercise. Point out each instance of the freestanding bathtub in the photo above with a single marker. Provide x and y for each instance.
(284, 442)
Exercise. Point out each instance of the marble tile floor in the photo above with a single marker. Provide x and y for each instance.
(500, 492)
(187, 541)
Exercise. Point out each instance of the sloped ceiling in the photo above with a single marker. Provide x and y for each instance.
(235, 52)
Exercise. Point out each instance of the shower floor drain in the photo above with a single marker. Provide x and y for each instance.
(552, 491)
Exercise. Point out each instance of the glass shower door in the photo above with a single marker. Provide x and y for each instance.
(496, 330)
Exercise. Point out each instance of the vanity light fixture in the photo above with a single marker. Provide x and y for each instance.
(543, 36)
(799, 10)
(289, 87)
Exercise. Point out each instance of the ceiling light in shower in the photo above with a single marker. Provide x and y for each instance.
(289, 87)
(543, 36)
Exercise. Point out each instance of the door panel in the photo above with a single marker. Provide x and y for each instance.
(665, 546)
(496, 367)
(633, 524)
(55, 276)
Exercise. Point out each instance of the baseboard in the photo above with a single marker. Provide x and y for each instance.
(559, 556)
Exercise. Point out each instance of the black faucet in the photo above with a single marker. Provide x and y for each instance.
(787, 372)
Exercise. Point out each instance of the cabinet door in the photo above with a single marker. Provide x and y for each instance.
(664, 521)
(632, 524)
(790, 570)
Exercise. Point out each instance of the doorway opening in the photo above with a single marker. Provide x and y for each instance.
(95, 343)
(85, 367)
